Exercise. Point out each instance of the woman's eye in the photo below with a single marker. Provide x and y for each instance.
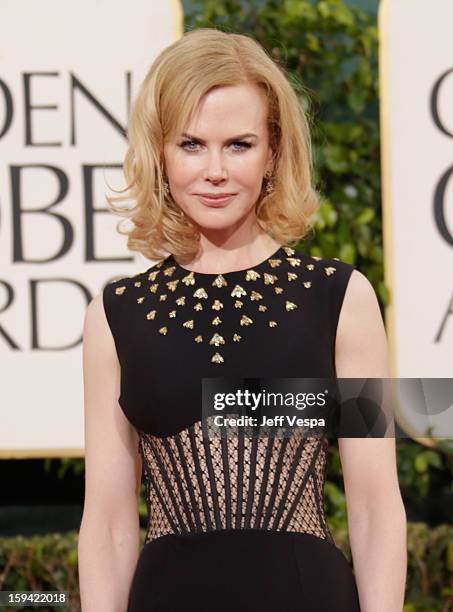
(184, 144)
(242, 145)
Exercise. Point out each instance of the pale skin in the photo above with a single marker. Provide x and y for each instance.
(232, 239)
(109, 532)
(376, 514)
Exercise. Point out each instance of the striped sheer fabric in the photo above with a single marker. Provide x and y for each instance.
(199, 480)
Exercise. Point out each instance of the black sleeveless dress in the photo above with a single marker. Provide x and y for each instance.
(235, 524)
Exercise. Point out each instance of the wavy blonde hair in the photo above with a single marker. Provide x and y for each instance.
(168, 96)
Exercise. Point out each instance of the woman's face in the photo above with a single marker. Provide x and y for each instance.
(213, 158)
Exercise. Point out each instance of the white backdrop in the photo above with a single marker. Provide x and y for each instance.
(69, 72)
(416, 102)
(417, 154)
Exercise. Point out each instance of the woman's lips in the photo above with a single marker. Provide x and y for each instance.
(215, 202)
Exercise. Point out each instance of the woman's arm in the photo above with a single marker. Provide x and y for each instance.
(376, 514)
(109, 532)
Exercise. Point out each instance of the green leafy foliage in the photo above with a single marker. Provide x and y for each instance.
(41, 563)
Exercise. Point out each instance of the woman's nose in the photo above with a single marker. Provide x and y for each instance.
(215, 169)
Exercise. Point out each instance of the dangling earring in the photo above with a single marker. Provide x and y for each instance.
(269, 182)
(166, 188)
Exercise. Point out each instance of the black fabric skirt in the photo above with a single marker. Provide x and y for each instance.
(249, 570)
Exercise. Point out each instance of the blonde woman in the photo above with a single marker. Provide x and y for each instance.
(219, 167)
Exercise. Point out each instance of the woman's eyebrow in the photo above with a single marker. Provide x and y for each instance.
(247, 135)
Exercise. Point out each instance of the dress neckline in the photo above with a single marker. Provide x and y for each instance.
(258, 266)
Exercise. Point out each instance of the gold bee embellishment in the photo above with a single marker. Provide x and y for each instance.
(329, 270)
(315, 257)
(217, 305)
(274, 263)
(152, 275)
(262, 308)
(172, 314)
(217, 358)
(140, 300)
(188, 324)
(163, 331)
(238, 304)
(189, 279)
(216, 321)
(310, 267)
(307, 285)
(162, 297)
(181, 300)
(169, 271)
(252, 275)
(120, 290)
(151, 315)
(269, 279)
(219, 281)
(272, 323)
(200, 293)
(236, 337)
(238, 291)
(290, 305)
(292, 276)
(153, 288)
(198, 339)
(289, 250)
(294, 261)
(278, 290)
(137, 284)
(198, 306)
(217, 340)
(255, 296)
(172, 284)
(245, 320)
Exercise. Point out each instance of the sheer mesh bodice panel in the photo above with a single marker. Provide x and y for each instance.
(197, 481)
